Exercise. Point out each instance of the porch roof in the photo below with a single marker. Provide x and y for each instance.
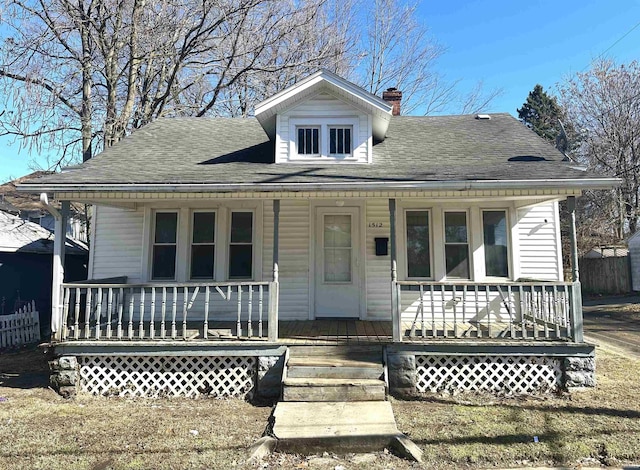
(228, 154)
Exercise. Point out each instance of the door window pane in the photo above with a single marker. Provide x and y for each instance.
(241, 246)
(496, 258)
(337, 248)
(163, 259)
(203, 245)
(418, 249)
(456, 245)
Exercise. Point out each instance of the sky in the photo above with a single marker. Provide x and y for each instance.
(506, 44)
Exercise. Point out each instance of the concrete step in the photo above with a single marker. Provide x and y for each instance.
(344, 351)
(307, 427)
(330, 367)
(332, 389)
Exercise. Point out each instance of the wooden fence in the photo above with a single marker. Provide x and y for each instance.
(21, 327)
(611, 275)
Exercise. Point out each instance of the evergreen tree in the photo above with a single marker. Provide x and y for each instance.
(540, 113)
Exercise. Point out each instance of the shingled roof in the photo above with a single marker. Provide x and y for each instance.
(230, 151)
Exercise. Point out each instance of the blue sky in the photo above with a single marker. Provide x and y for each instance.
(506, 44)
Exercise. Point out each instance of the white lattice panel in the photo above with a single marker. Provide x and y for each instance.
(520, 374)
(186, 376)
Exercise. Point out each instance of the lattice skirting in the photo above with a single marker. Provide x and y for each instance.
(153, 376)
(514, 374)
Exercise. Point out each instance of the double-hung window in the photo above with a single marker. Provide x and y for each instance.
(203, 245)
(165, 237)
(418, 244)
(496, 257)
(456, 245)
(241, 245)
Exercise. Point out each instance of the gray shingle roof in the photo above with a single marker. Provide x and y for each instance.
(233, 151)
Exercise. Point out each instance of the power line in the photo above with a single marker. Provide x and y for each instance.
(612, 45)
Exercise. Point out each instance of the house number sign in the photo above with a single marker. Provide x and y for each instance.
(376, 224)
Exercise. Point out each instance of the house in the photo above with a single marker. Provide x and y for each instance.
(27, 207)
(26, 263)
(329, 218)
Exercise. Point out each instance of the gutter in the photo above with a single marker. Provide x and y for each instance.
(586, 183)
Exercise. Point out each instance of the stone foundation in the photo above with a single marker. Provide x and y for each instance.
(403, 377)
(64, 376)
(269, 380)
(579, 372)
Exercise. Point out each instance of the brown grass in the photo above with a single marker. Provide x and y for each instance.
(38, 429)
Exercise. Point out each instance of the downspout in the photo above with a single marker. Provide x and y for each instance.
(58, 265)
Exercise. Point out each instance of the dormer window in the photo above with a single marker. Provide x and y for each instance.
(309, 141)
(340, 141)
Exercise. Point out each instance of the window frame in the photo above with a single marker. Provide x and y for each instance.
(468, 244)
(297, 142)
(509, 243)
(215, 244)
(253, 244)
(324, 124)
(336, 127)
(406, 244)
(153, 244)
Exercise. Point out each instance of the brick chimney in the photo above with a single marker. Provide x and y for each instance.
(393, 96)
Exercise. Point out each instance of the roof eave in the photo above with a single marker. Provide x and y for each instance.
(460, 185)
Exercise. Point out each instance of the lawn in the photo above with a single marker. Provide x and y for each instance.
(38, 429)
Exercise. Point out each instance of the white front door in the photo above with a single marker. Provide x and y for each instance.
(337, 266)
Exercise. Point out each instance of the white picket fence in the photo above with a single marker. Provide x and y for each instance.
(21, 327)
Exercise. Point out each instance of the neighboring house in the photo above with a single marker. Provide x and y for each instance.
(608, 251)
(327, 218)
(26, 264)
(28, 207)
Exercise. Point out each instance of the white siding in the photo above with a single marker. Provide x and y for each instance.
(117, 243)
(294, 257)
(322, 107)
(378, 271)
(538, 242)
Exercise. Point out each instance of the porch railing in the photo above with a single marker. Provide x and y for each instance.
(518, 310)
(173, 311)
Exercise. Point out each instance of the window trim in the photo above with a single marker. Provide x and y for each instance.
(253, 244)
(469, 245)
(153, 243)
(312, 154)
(215, 244)
(509, 242)
(324, 124)
(339, 155)
(431, 244)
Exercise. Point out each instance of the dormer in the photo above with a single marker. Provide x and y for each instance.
(324, 119)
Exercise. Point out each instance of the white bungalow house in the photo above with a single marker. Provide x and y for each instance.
(328, 218)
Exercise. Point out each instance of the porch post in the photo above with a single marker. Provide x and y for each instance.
(571, 206)
(576, 291)
(60, 236)
(395, 310)
(274, 291)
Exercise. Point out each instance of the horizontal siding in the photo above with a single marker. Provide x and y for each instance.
(294, 257)
(117, 246)
(378, 271)
(537, 237)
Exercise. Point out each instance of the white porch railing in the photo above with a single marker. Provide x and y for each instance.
(169, 311)
(522, 310)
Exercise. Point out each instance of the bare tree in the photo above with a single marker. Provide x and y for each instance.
(603, 106)
(80, 75)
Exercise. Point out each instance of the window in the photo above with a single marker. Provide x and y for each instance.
(418, 241)
(308, 141)
(337, 248)
(340, 141)
(494, 228)
(203, 247)
(456, 244)
(164, 246)
(241, 246)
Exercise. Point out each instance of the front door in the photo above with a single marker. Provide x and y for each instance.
(337, 267)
